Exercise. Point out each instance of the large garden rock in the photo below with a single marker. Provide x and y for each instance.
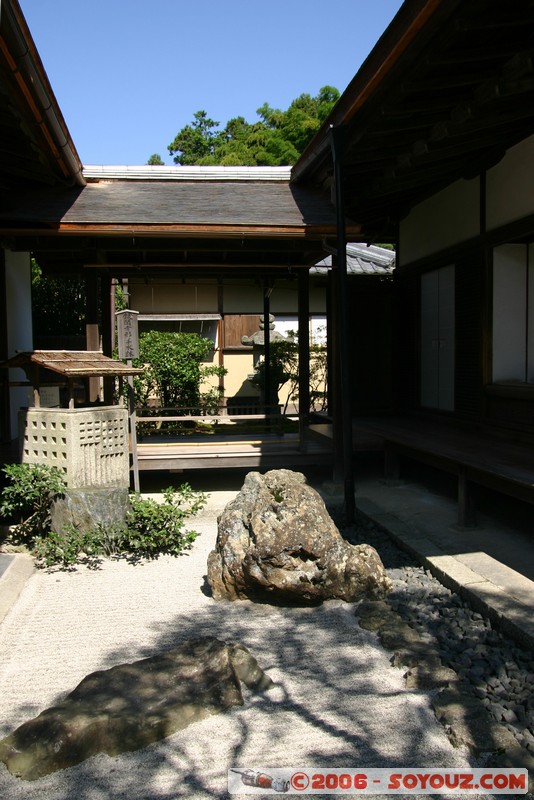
(276, 541)
(131, 705)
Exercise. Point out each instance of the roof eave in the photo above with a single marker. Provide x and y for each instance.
(179, 231)
(32, 81)
(411, 19)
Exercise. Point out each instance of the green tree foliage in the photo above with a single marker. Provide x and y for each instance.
(173, 370)
(58, 304)
(155, 160)
(195, 143)
(284, 362)
(277, 139)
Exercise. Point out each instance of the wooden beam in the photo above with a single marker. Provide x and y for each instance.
(452, 80)
(496, 23)
(473, 55)
(187, 229)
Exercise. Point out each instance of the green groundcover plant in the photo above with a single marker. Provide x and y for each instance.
(151, 528)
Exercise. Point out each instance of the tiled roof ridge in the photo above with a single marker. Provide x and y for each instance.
(188, 173)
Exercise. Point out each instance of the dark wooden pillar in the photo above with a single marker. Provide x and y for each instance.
(107, 331)
(5, 422)
(267, 388)
(337, 141)
(220, 334)
(335, 409)
(304, 355)
(92, 332)
(467, 512)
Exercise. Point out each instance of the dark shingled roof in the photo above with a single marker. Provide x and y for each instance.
(152, 202)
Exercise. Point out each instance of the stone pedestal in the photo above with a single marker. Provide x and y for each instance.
(89, 507)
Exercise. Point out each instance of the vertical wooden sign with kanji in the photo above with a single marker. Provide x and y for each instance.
(127, 334)
(128, 344)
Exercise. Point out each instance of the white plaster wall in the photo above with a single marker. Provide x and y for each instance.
(510, 188)
(247, 298)
(243, 297)
(19, 325)
(239, 365)
(446, 219)
(239, 297)
(284, 324)
(173, 297)
(284, 299)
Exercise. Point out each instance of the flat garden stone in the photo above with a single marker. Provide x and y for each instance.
(130, 706)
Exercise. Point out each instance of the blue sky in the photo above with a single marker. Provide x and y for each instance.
(129, 74)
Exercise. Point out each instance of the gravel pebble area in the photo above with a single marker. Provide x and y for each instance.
(67, 624)
(495, 669)
(336, 700)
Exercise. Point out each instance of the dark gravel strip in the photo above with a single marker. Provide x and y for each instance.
(492, 667)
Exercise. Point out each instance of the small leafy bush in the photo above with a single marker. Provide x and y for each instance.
(28, 496)
(70, 546)
(150, 528)
(60, 547)
(153, 528)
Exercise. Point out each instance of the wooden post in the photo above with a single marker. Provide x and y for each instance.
(335, 405)
(36, 388)
(220, 333)
(92, 333)
(304, 357)
(267, 390)
(71, 392)
(105, 290)
(337, 136)
(391, 463)
(5, 415)
(467, 517)
(133, 430)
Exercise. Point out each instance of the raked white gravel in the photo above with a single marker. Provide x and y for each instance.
(337, 700)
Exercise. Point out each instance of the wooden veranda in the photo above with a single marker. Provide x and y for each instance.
(268, 451)
(184, 440)
(476, 456)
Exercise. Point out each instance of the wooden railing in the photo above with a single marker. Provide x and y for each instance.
(270, 419)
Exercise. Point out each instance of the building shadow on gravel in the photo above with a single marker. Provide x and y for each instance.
(336, 703)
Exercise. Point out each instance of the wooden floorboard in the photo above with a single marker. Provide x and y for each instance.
(228, 452)
(480, 456)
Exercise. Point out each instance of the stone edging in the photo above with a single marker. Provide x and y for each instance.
(465, 720)
(504, 612)
(13, 581)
